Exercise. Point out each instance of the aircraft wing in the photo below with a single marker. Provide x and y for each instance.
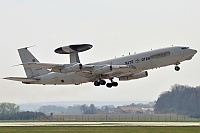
(22, 79)
(45, 65)
(106, 71)
(88, 70)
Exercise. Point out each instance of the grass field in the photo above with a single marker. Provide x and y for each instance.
(112, 129)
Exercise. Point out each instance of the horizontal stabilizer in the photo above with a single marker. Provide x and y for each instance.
(56, 67)
(22, 79)
(45, 65)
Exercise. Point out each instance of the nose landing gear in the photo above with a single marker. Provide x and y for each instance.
(177, 68)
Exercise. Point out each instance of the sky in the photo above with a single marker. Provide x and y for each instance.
(114, 28)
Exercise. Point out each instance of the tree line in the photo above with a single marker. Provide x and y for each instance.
(181, 100)
(87, 109)
(184, 100)
(52, 109)
(76, 109)
(11, 111)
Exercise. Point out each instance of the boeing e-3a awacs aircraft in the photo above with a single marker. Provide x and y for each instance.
(124, 68)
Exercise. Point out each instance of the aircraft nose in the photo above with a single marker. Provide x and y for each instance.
(193, 51)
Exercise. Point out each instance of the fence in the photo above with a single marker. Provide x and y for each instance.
(123, 117)
(106, 117)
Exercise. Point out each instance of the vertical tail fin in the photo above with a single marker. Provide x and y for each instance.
(26, 57)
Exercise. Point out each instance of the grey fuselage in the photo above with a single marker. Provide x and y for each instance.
(141, 61)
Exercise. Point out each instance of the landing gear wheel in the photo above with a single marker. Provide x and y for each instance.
(96, 83)
(177, 68)
(102, 82)
(109, 85)
(115, 84)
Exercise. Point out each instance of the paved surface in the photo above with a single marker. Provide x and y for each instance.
(100, 124)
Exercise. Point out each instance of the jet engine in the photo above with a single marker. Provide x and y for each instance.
(134, 76)
(103, 70)
(73, 68)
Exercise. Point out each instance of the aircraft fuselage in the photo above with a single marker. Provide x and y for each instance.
(141, 61)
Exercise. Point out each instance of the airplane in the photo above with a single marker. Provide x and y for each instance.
(124, 68)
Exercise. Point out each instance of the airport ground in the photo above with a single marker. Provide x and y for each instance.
(100, 129)
(105, 123)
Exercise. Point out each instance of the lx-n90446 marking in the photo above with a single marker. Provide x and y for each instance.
(124, 68)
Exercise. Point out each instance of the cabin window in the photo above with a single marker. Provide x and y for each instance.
(164, 54)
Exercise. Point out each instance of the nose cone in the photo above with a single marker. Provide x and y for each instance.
(193, 51)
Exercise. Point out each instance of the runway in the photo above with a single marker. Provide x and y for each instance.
(100, 124)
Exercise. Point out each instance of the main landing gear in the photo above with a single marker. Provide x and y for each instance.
(103, 82)
(112, 84)
(98, 83)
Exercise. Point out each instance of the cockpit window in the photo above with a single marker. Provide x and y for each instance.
(185, 48)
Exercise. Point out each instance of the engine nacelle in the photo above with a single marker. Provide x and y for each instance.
(103, 70)
(73, 68)
(134, 76)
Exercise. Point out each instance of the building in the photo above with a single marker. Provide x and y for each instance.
(129, 110)
(148, 110)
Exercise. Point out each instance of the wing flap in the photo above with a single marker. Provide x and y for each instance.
(22, 79)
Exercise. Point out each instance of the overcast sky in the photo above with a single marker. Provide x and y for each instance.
(113, 27)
